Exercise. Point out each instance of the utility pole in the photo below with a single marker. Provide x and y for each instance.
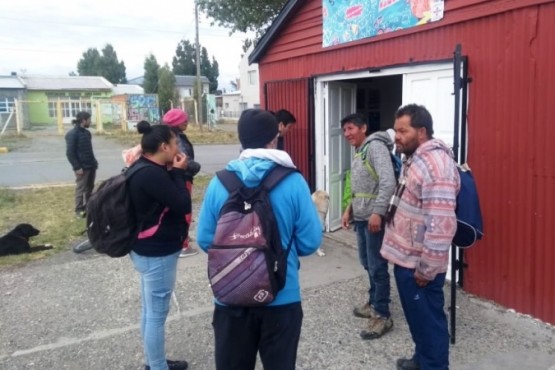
(199, 83)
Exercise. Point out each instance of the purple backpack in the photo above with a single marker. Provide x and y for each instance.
(247, 265)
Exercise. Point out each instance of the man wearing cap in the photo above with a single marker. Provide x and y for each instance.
(272, 330)
(178, 121)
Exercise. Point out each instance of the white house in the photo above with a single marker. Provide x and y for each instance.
(249, 83)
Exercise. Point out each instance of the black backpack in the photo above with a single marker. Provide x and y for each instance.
(247, 265)
(112, 227)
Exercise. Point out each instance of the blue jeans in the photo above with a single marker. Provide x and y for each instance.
(157, 282)
(369, 245)
(423, 308)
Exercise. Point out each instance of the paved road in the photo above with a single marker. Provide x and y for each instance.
(73, 311)
(44, 161)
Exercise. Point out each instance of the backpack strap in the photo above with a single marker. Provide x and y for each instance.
(134, 168)
(232, 182)
(229, 180)
(275, 175)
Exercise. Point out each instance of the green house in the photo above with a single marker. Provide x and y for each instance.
(51, 97)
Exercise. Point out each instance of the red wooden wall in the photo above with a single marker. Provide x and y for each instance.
(511, 48)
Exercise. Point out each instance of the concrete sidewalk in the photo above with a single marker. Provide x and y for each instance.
(81, 312)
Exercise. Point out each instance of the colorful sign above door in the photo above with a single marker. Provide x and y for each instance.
(350, 20)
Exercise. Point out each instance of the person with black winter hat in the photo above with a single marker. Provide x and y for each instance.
(272, 330)
(79, 152)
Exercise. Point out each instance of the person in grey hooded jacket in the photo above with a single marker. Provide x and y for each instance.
(372, 185)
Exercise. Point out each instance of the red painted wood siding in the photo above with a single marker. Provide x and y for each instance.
(511, 48)
(293, 95)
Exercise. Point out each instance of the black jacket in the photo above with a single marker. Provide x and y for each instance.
(79, 149)
(155, 188)
(185, 145)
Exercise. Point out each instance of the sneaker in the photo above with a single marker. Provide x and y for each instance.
(377, 327)
(365, 311)
(174, 365)
(407, 364)
(188, 252)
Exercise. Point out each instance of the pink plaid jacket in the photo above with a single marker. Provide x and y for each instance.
(424, 224)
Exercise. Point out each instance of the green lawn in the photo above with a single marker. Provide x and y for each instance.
(50, 210)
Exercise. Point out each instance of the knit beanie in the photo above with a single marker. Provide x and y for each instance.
(256, 128)
(175, 117)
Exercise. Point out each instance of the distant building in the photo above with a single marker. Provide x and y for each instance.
(249, 83)
(12, 88)
(184, 85)
(73, 93)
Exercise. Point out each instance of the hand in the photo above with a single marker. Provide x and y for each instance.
(346, 218)
(375, 223)
(180, 161)
(421, 282)
(79, 172)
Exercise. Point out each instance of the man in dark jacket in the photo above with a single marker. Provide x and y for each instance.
(80, 154)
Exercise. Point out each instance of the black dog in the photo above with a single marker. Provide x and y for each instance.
(17, 241)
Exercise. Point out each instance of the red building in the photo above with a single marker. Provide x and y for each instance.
(508, 49)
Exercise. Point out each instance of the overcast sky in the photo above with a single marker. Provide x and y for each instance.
(48, 38)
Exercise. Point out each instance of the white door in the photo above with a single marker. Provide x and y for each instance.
(434, 90)
(340, 101)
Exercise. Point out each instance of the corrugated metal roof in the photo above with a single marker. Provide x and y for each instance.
(189, 80)
(11, 82)
(67, 83)
(122, 89)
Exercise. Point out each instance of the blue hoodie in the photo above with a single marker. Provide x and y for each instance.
(293, 207)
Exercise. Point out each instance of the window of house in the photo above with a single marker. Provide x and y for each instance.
(7, 105)
(226, 105)
(52, 111)
(252, 77)
(243, 106)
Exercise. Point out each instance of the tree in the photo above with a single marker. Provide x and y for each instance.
(184, 63)
(152, 71)
(106, 65)
(242, 15)
(167, 94)
(89, 64)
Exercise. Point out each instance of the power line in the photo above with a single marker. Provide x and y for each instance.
(207, 30)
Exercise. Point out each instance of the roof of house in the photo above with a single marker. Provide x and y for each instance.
(11, 82)
(122, 89)
(189, 80)
(277, 25)
(67, 83)
(180, 80)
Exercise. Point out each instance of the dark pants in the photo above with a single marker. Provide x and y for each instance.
(423, 308)
(241, 332)
(83, 189)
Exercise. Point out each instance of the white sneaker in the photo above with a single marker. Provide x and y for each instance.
(188, 252)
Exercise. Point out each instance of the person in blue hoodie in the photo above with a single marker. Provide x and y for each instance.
(273, 330)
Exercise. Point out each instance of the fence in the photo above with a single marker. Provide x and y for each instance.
(119, 112)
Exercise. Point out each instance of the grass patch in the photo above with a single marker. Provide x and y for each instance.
(14, 141)
(51, 210)
(206, 136)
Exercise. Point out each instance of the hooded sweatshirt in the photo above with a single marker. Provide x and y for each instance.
(292, 205)
(420, 234)
(370, 194)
